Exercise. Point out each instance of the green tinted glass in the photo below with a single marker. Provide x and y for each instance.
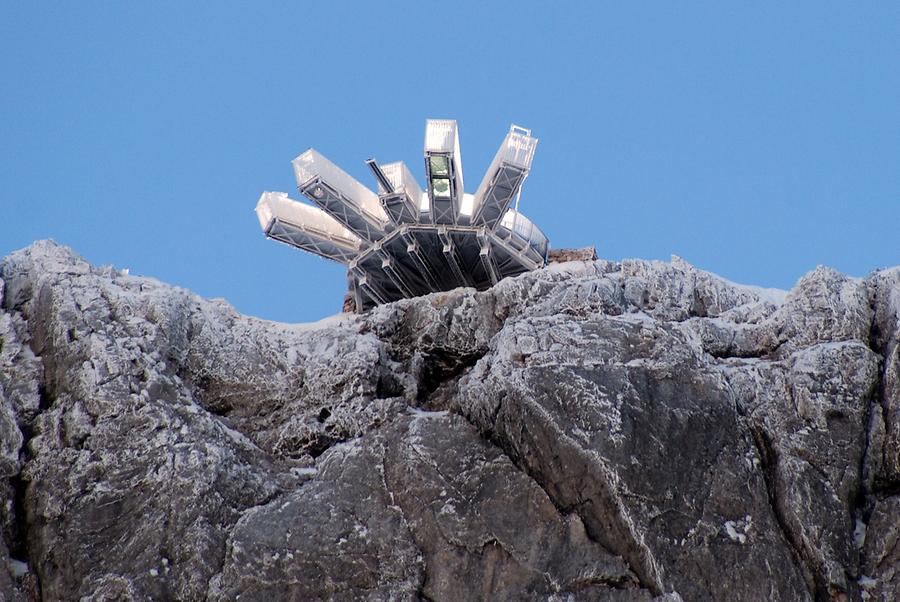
(440, 166)
(441, 188)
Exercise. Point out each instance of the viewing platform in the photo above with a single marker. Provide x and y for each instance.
(403, 241)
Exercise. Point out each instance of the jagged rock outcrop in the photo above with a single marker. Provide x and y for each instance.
(591, 431)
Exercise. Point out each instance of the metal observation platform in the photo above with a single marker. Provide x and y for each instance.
(403, 242)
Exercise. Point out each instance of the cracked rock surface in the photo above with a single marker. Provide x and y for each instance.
(595, 430)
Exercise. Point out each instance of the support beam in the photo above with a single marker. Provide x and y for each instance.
(413, 248)
(385, 185)
(394, 272)
(452, 257)
(486, 255)
(355, 292)
(371, 288)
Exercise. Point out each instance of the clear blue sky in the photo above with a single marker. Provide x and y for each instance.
(756, 140)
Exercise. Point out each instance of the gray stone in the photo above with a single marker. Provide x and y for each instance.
(880, 577)
(590, 431)
(885, 298)
(579, 254)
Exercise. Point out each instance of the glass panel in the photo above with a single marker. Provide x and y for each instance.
(441, 188)
(440, 166)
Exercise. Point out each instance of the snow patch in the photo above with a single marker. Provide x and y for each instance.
(866, 584)
(775, 296)
(361, 530)
(329, 322)
(235, 436)
(17, 568)
(859, 534)
(418, 413)
(739, 530)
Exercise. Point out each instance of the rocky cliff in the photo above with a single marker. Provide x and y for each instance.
(592, 431)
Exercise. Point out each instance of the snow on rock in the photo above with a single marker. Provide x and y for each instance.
(591, 431)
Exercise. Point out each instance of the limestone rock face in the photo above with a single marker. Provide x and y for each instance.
(591, 431)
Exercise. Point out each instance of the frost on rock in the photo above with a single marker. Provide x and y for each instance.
(590, 431)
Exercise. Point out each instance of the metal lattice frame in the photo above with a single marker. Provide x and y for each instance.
(302, 238)
(498, 196)
(403, 241)
(338, 206)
